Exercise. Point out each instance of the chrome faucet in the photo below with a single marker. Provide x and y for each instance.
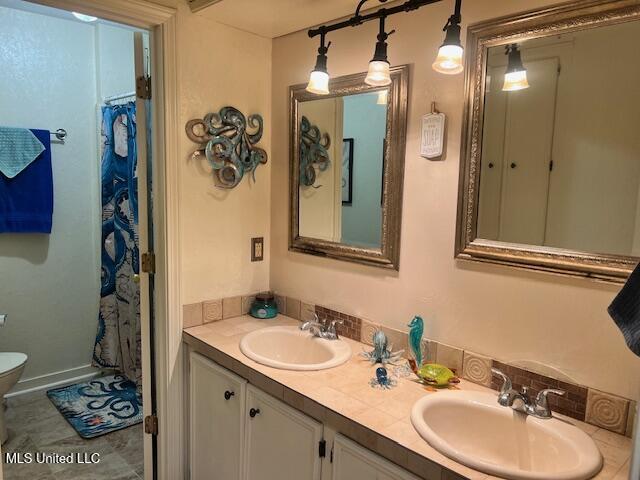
(321, 329)
(521, 401)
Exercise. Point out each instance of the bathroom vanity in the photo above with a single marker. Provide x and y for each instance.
(240, 431)
(253, 422)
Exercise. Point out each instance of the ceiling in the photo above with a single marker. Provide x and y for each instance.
(274, 18)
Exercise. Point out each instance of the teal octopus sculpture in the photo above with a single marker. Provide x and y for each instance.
(381, 352)
(228, 139)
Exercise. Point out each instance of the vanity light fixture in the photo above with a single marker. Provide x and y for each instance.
(319, 79)
(379, 68)
(516, 76)
(84, 18)
(449, 58)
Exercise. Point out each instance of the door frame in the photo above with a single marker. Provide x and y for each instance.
(168, 360)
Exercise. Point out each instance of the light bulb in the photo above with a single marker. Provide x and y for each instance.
(514, 81)
(83, 17)
(318, 83)
(379, 74)
(449, 60)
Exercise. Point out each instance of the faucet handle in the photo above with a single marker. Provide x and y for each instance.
(542, 398)
(506, 381)
(542, 401)
(332, 326)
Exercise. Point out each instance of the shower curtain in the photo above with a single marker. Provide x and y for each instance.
(118, 341)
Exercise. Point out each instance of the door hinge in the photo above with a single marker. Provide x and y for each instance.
(148, 262)
(151, 424)
(551, 166)
(322, 448)
(143, 87)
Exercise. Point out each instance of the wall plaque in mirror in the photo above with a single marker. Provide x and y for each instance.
(550, 175)
(347, 168)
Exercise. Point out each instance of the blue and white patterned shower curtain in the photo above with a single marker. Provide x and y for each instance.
(118, 341)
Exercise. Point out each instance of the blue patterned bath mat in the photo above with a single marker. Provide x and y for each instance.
(100, 406)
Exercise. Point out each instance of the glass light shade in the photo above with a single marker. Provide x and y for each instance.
(514, 81)
(383, 97)
(83, 17)
(318, 83)
(449, 60)
(379, 74)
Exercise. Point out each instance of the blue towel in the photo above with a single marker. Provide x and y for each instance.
(26, 201)
(18, 148)
(625, 311)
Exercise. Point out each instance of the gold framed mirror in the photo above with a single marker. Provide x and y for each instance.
(347, 169)
(550, 160)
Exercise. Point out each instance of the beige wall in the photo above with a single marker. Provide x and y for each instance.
(507, 313)
(321, 203)
(220, 66)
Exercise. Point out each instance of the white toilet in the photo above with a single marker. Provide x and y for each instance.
(11, 367)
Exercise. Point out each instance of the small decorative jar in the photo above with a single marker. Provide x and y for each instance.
(264, 306)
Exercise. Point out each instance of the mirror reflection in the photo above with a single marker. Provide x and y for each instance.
(560, 162)
(342, 143)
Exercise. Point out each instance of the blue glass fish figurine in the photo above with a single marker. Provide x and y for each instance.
(415, 339)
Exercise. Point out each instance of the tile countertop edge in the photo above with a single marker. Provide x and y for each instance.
(415, 456)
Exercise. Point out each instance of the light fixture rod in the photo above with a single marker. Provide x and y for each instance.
(358, 19)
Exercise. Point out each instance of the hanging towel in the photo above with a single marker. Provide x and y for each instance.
(625, 311)
(26, 200)
(18, 148)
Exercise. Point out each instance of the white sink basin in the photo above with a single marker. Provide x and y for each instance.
(472, 429)
(290, 348)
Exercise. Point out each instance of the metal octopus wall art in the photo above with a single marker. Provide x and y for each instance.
(227, 139)
(313, 152)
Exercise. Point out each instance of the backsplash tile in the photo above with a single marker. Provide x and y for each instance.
(293, 308)
(397, 341)
(281, 302)
(212, 311)
(450, 357)
(477, 368)
(351, 327)
(607, 411)
(231, 307)
(192, 315)
(429, 350)
(247, 301)
(307, 312)
(631, 419)
(367, 330)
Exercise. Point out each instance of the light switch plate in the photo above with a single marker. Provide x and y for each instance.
(257, 249)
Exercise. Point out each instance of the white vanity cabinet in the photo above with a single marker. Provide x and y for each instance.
(238, 432)
(353, 462)
(217, 419)
(280, 442)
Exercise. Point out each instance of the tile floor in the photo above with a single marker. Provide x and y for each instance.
(35, 425)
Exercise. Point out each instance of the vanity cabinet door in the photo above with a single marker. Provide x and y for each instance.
(353, 462)
(217, 399)
(280, 442)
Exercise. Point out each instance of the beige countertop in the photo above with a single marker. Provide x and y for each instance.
(378, 419)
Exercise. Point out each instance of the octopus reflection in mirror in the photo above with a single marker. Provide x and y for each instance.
(314, 150)
(228, 144)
